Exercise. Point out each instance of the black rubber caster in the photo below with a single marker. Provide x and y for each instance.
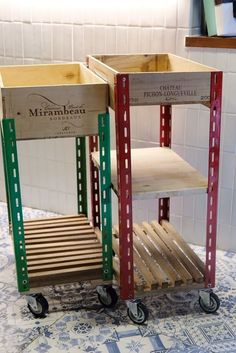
(142, 314)
(107, 296)
(40, 310)
(214, 304)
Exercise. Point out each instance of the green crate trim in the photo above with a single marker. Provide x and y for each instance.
(12, 170)
(106, 207)
(6, 179)
(81, 172)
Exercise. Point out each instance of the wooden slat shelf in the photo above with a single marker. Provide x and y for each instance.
(211, 42)
(159, 172)
(162, 259)
(62, 249)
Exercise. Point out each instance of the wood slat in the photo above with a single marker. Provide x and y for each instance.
(63, 253)
(53, 219)
(63, 259)
(58, 234)
(139, 262)
(59, 238)
(187, 249)
(187, 264)
(57, 224)
(173, 261)
(57, 244)
(115, 246)
(64, 271)
(58, 230)
(59, 249)
(137, 281)
(154, 266)
(64, 264)
(161, 260)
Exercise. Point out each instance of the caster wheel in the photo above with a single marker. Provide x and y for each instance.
(41, 308)
(214, 304)
(142, 314)
(108, 298)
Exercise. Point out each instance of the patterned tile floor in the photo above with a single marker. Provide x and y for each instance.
(78, 323)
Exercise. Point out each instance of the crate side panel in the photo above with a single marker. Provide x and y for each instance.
(88, 76)
(48, 112)
(169, 88)
(39, 75)
(131, 63)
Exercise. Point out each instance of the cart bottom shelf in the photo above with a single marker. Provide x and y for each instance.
(162, 259)
(61, 250)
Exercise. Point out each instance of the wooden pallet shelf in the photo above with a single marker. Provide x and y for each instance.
(162, 259)
(62, 249)
(158, 172)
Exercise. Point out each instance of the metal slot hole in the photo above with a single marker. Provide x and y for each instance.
(210, 228)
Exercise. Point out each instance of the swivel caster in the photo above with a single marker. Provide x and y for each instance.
(38, 305)
(209, 301)
(137, 311)
(107, 296)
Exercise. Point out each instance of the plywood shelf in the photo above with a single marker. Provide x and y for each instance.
(211, 42)
(62, 249)
(158, 172)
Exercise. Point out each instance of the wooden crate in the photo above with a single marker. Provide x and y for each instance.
(55, 100)
(155, 78)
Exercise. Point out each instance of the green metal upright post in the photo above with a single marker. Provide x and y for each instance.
(81, 175)
(12, 171)
(6, 180)
(105, 181)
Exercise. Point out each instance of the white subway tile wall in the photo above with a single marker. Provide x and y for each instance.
(61, 31)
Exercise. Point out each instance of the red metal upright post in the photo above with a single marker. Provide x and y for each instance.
(213, 177)
(123, 146)
(165, 141)
(94, 178)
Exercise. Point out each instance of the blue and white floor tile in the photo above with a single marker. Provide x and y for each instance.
(78, 323)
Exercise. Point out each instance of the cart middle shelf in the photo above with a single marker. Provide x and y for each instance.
(158, 172)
